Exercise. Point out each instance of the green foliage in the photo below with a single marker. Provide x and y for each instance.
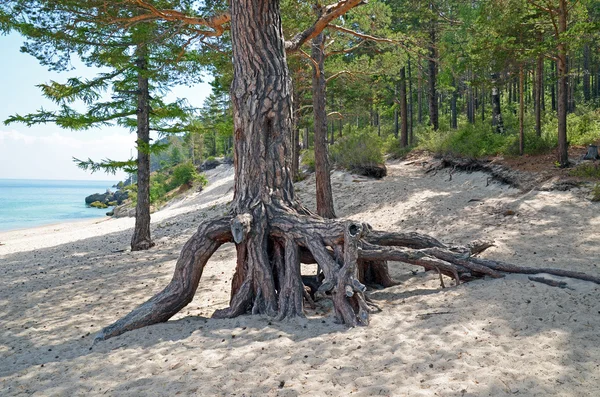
(307, 159)
(586, 170)
(132, 190)
(392, 147)
(184, 174)
(596, 192)
(472, 140)
(163, 183)
(583, 127)
(358, 149)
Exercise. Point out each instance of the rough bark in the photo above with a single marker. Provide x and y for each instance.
(497, 121)
(587, 92)
(521, 112)
(322, 170)
(562, 97)
(539, 94)
(453, 110)
(403, 109)
(433, 69)
(410, 104)
(141, 239)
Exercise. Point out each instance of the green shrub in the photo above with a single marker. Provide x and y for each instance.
(184, 174)
(358, 149)
(392, 147)
(472, 140)
(307, 159)
(132, 190)
(596, 192)
(586, 170)
(583, 127)
(98, 204)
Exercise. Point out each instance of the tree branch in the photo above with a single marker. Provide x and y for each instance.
(330, 13)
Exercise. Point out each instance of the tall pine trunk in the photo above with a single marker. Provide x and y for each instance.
(323, 180)
(141, 239)
(539, 94)
(432, 64)
(453, 110)
(403, 109)
(563, 95)
(497, 121)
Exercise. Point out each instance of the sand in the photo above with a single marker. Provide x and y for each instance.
(61, 284)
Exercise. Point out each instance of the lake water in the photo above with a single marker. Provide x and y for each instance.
(29, 203)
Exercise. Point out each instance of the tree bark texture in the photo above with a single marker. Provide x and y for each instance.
(497, 121)
(403, 109)
(562, 97)
(322, 170)
(410, 104)
(141, 239)
(539, 94)
(521, 111)
(433, 69)
(587, 91)
(453, 110)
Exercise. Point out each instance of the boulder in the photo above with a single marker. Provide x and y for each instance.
(210, 164)
(123, 211)
(101, 197)
(120, 195)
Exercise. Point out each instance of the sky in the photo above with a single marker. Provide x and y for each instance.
(45, 151)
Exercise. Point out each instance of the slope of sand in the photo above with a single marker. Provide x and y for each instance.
(61, 284)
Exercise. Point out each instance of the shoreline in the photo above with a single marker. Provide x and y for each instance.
(52, 223)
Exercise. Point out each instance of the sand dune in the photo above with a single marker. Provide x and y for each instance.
(61, 284)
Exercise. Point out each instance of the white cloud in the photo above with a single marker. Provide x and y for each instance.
(16, 136)
(25, 155)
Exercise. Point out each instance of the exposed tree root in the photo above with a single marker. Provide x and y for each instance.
(268, 280)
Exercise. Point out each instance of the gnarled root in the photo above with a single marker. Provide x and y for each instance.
(180, 291)
(271, 243)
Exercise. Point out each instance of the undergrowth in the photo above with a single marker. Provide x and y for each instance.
(163, 183)
(358, 149)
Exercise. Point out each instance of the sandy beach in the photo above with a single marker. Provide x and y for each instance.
(61, 284)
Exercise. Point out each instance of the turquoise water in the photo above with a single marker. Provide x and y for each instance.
(29, 203)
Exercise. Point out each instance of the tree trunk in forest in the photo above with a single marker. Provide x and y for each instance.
(141, 239)
(396, 114)
(323, 180)
(539, 94)
(453, 110)
(295, 138)
(305, 143)
(497, 121)
(521, 110)
(562, 100)
(403, 109)
(482, 105)
(410, 104)
(571, 84)
(433, 97)
(553, 86)
(420, 94)
(587, 92)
